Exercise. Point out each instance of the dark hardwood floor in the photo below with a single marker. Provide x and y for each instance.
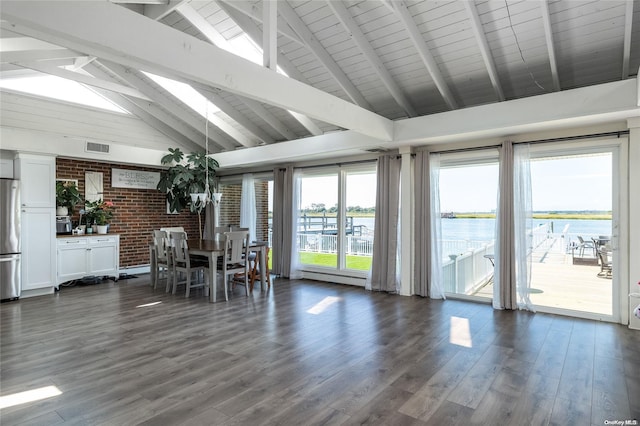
(307, 353)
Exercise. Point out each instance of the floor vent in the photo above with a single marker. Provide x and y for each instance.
(97, 147)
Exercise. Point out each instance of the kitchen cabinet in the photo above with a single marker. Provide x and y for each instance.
(37, 174)
(38, 248)
(85, 255)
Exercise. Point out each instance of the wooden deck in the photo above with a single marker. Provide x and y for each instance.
(557, 283)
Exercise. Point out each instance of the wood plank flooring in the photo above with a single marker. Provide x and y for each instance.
(307, 353)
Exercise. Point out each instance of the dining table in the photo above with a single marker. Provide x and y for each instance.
(212, 249)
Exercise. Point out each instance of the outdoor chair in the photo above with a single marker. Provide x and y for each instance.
(585, 244)
(606, 266)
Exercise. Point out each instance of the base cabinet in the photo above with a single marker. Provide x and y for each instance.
(84, 256)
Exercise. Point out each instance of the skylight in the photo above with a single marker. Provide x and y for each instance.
(60, 88)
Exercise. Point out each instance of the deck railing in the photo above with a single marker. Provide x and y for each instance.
(467, 272)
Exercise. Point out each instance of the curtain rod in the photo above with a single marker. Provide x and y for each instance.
(305, 167)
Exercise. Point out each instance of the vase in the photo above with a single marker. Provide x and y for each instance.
(62, 211)
(102, 229)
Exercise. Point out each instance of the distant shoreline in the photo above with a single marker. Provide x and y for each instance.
(559, 216)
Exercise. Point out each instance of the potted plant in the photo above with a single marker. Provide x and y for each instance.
(184, 178)
(99, 213)
(67, 196)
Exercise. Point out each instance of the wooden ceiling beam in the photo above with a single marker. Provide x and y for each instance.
(548, 35)
(116, 34)
(485, 51)
(354, 31)
(401, 11)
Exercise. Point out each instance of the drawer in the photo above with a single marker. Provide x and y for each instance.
(71, 242)
(100, 241)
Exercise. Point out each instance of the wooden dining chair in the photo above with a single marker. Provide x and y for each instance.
(162, 257)
(236, 259)
(254, 270)
(187, 265)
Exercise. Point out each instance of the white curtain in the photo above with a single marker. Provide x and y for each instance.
(296, 269)
(523, 224)
(248, 205)
(436, 283)
(384, 264)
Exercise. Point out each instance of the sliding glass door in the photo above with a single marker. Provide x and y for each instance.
(336, 217)
(574, 236)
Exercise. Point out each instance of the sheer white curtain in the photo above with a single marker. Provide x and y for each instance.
(436, 283)
(523, 224)
(512, 278)
(248, 205)
(296, 269)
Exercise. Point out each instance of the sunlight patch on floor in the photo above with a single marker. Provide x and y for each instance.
(322, 306)
(459, 332)
(146, 305)
(28, 396)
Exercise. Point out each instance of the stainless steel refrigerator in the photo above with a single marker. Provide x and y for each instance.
(9, 239)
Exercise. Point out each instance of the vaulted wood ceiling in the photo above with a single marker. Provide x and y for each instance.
(362, 64)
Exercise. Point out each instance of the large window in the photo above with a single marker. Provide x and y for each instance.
(336, 218)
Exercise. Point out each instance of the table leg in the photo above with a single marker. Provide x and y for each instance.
(152, 266)
(213, 264)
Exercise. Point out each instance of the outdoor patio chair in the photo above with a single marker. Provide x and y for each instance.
(585, 244)
(606, 265)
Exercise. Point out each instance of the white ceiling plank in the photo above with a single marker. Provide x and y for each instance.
(117, 34)
(252, 12)
(84, 79)
(80, 63)
(270, 119)
(38, 55)
(169, 103)
(159, 11)
(359, 38)
(476, 25)
(626, 51)
(323, 56)
(270, 34)
(400, 8)
(548, 34)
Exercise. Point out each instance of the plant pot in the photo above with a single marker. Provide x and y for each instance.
(102, 229)
(62, 211)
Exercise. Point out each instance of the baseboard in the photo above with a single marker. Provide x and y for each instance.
(339, 279)
(36, 292)
(132, 270)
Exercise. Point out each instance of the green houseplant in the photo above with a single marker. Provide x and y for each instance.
(184, 178)
(67, 196)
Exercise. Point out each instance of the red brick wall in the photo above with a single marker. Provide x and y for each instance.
(137, 211)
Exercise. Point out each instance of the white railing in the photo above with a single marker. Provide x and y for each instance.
(318, 243)
(466, 273)
(458, 247)
(539, 235)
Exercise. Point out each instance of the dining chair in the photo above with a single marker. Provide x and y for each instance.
(162, 252)
(183, 263)
(254, 270)
(236, 259)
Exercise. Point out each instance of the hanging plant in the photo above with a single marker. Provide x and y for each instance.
(184, 178)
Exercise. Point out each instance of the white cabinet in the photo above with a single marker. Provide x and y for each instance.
(37, 176)
(38, 223)
(82, 256)
(38, 248)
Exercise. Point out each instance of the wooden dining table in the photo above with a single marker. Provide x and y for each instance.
(213, 249)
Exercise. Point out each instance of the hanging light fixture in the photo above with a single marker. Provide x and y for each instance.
(200, 199)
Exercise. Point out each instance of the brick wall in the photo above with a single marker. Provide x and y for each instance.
(138, 211)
